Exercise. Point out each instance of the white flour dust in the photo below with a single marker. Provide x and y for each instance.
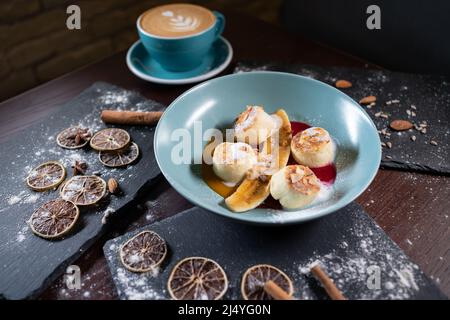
(136, 286)
(351, 268)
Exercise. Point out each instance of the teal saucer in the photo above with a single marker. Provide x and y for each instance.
(140, 62)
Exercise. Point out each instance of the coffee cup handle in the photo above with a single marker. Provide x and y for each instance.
(220, 23)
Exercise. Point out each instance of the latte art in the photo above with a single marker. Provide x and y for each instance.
(180, 23)
(177, 20)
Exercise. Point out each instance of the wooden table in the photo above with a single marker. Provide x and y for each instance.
(412, 208)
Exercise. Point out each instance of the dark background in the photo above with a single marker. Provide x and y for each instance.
(35, 45)
(414, 35)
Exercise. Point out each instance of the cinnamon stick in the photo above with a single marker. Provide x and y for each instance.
(143, 118)
(272, 289)
(327, 283)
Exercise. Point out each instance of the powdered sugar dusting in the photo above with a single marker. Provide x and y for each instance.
(115, 97)
(325, 194)
(352, 268)
(136, 286)
(247, 121)
(23, 197)
(108, 212)
(21, 235)
(14, 199)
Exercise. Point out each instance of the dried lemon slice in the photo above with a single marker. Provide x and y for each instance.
(83, 190)
(110, 139)
(46, 176)
(54, 218)
(197, 278)
(143, 252)
(119, 158)
(73, 138)
(254, 279)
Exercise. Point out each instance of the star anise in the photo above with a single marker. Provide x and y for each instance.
(79, 168)
(81, 135)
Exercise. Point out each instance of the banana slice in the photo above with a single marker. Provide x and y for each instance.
(285, 137)
(274, 155)
(250, 194)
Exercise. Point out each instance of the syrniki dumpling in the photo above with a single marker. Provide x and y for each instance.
(231, 161)
(295, 186)
(254, 126)
(313, 147)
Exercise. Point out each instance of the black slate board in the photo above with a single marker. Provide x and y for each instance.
(429, 94)
(346, 243)
(28, 263)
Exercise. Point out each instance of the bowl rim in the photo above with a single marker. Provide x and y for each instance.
(242, 217)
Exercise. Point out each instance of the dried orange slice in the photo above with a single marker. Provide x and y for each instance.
(119, 158)
(197, 278)
(110, 139)
(54, 218)
(73, 137)
(254, 279)
(83, 190)
(143, 252)
(46, 176)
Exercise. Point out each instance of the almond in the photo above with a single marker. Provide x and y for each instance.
(113, 186)
(343, 84)
(368, 99)
(401, 125)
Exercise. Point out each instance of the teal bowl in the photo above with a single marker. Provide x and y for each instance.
(216, 103)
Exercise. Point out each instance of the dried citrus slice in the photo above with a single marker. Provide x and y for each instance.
(73, 137)
(119, 158)
(46, 176)
(197, 278)
(54, 218)
(110, 139)
(83, 190)
(143, 252)
(252, 285)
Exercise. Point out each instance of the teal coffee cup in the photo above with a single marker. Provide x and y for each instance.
(179, 36)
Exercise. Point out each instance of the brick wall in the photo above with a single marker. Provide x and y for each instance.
(36, 46)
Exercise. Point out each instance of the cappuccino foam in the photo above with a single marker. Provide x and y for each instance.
(176, 20)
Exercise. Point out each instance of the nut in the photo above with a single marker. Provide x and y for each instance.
(113, 186)
(401, 125)
(343, 84)
(368, 99)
